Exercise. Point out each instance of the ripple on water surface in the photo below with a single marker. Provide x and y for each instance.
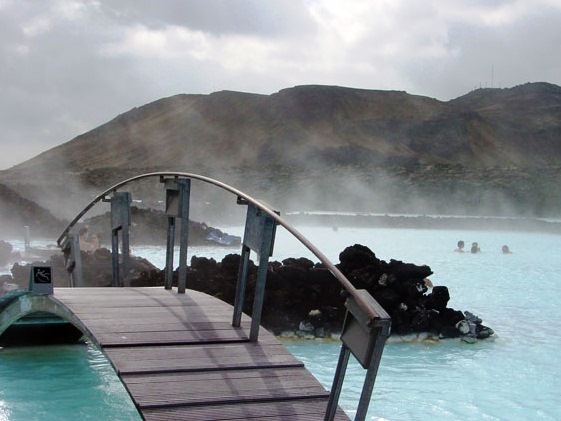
(61, 382)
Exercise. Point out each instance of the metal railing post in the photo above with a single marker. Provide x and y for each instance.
(184, 198)
(168, 282)
(337, 386)
(115, 258)
(178, 193)
(241, 286)
(120, 221)
(259, 297)
(126, 253)
(259, 236)
(365, 339)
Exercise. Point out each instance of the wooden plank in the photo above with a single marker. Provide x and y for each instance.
(199, 358)
(248, 349)
(295, 410)
(222, 328)
(156, 294)
(241, 396)
(177, 311)
(170, 337)
(220, 396)
(159, 318)
(180, 358)
(223, 387)
(142, 325)
(146, 291)
(135, 301)
(211, 375)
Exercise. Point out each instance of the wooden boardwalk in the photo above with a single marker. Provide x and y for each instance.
(180, 358)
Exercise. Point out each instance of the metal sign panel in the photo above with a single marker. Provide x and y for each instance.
(173, 203)
(358, 335)
(177, 196)
(259, 234)
(41, 280)
(120, 210)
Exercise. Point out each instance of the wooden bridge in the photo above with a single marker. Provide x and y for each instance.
(182, 354)
(179, 356)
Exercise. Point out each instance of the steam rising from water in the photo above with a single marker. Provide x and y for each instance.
(299, 165)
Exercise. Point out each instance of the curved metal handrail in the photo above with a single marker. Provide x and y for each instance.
(347, 285)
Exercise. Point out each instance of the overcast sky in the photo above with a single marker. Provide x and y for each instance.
(68, 66)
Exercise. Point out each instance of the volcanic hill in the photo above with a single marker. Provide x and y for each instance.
(492, 151)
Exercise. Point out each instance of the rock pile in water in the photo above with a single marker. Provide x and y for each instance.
(402, 289)
(304, 299)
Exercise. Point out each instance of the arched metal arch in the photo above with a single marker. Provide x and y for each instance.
(345, 283)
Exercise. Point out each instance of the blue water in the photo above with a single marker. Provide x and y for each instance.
(61, 383)
(515, 377)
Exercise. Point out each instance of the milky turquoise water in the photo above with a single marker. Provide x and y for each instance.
(61, 383)
(515, 377)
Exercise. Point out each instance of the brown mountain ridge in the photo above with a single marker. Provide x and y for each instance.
(492, 127)
(490, 151)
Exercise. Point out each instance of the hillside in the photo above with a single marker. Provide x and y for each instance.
(490, 151)
(17, 212)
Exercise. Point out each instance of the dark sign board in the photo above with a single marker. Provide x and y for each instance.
(120, 210)
(41, 280)
(42, 274)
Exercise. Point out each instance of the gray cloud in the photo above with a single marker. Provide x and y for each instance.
(68, 66)
(219, 17)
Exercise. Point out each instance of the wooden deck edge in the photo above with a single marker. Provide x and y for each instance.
(296, 364)
(114, 345)
(235, 400)
(304, 410)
